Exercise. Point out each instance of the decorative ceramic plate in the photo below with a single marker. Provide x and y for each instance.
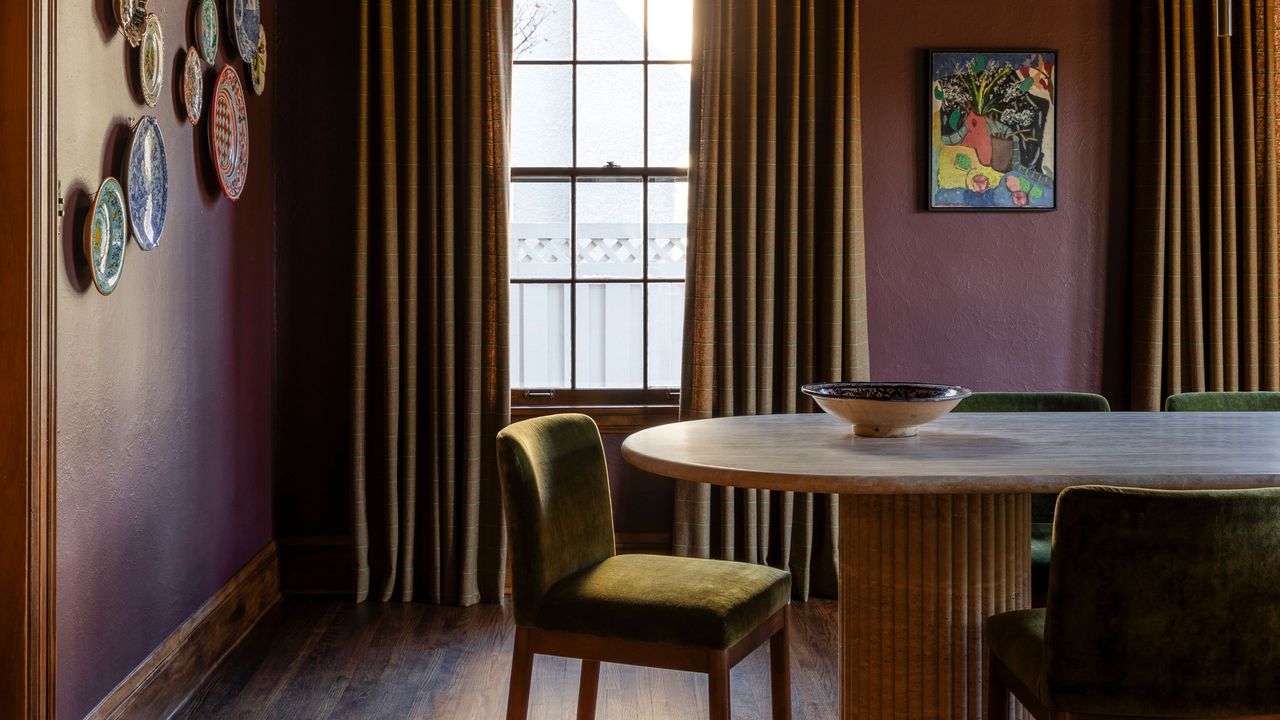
(258, 68)
(105, 236)
(245, 19)
(229, 132)
(132, 16)
(148, 183)
(193, 86)
(207, 30)
(151, 61)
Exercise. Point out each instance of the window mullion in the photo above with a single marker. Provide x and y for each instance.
(573, 217)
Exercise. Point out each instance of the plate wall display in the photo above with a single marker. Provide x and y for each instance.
(151, 61)
(193, 86)
(132, 17)
(245, 25)
(258, 69)
(207, 30)
(105, 236)
(148, 183)
(229, 132)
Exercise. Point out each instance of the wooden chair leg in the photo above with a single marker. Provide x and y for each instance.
(521, 677)
(780, 668)
(997, 693)
(718, 685)
(588, 688)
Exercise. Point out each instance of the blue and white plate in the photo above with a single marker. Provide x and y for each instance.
(246, 17)
(106, 234)
(148, 183)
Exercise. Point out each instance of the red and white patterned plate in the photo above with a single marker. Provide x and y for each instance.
(229, 133)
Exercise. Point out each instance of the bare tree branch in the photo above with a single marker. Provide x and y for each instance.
(529, 16)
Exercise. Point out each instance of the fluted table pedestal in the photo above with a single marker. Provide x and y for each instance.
(918, 573)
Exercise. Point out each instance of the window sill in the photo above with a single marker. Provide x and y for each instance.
(610, 418)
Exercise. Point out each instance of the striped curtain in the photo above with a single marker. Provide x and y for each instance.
(776, 292)
(431, 380)
(1206, 243)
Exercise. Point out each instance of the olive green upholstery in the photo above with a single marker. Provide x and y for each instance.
(1161, 604)
(1033, 402)
(1222, 401)
(565, 575)
(1041, 503)
(687, 601)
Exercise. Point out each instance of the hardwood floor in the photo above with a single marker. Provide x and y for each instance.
(325, 659)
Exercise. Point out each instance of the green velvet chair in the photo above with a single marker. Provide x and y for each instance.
(1041, 503)
(574, 597)
(1222, 401)
(1162, 604)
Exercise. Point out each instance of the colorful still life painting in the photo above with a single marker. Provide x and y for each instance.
(992, 130)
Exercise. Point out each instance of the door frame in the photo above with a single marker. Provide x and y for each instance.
(29, 208)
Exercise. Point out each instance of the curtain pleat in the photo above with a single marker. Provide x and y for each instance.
(776, 289)
(431, 382)
(1206, 248)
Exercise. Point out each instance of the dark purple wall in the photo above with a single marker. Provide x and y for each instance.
(997, 300)
(164, 405)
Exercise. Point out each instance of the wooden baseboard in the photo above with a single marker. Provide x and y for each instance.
(166, 680)
(321, 564)
(316, 565)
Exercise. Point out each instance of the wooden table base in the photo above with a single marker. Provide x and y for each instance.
(918, 574)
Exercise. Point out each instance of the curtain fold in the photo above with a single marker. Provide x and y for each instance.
(1206, 298)
(776, 290)
(431, 384)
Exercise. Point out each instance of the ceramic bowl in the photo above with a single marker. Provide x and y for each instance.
(886, 409)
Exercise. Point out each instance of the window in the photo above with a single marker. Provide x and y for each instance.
(599, 194)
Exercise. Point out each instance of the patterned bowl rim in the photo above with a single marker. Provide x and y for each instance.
(828, 391)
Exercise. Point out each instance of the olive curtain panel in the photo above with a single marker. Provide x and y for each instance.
(1206, 306)
(776, 293)
(431, 381)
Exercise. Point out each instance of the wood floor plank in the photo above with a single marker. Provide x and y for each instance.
(320, 659)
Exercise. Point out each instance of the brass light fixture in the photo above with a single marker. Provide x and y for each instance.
(1222, 17)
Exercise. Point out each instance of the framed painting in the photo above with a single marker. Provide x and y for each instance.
(992, 130)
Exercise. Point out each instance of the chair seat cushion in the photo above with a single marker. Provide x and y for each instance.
(1041, 551)
(1017, 638)
(687, 601)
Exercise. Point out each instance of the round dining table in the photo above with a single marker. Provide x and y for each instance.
(935, 530)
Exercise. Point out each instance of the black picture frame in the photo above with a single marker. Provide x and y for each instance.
(1029, 178)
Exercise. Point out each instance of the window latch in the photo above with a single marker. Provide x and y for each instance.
(530, 394)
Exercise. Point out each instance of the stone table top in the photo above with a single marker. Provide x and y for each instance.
(970, 452)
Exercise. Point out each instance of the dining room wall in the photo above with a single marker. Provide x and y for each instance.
(164, 388)
(999, 300)
(995, 301)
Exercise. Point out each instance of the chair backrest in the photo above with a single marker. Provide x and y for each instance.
(1164, 603)
(1033, 402)
(1222, 401)
(999, 402)
(555, 490)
